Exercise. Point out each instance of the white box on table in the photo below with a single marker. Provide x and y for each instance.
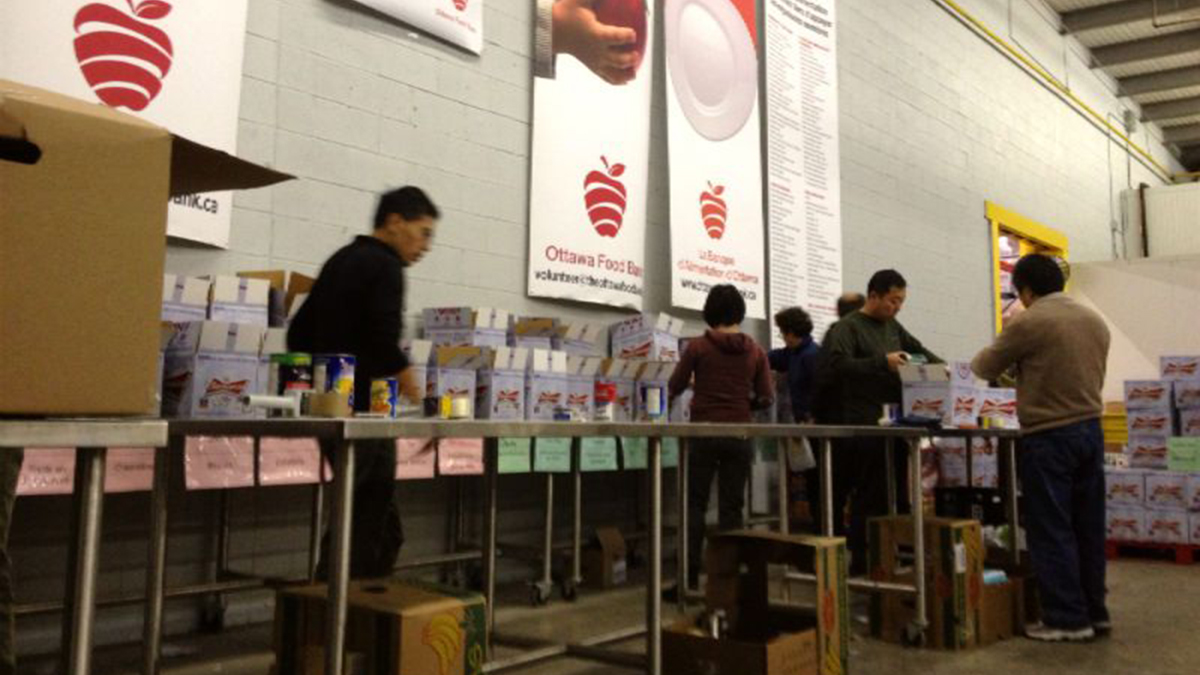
(999, 407)
(185, 298)
(647, 337)
(208, 368)
(547, 384)
(533, 333)
(581, 384)
(582, 338)
(1125, 487)
(240, 300)
(420, 355)
(455, 371)
(500, 392)
(622, 374)
(952, 463)
(1167, 490)
(466, 326)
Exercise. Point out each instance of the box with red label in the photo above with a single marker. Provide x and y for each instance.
(1125, 487)
(999, 407)
(1187, 394)
(1179, 367)
(1126, 523)
(546, 385)
(952, 463)
(274, 342)
(1147, 452)
(1167, 527)
(1167, 490)
(623, 375)
(582, 338)
(1147, 394)
(938, 391)
(533, 333)
(1159, 423)
(466, 327)
(500, 390)
(1189, 422)
(209, 367)
(420, 359)
(1194, 528)
(240, 300)
(455, 371)
(647, 337)
(581, 384)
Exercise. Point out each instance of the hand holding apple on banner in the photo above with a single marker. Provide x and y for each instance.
(607, 36)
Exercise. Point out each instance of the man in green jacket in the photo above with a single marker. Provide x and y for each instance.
(864, 352)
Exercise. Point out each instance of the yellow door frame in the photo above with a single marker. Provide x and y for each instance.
(1005, 221)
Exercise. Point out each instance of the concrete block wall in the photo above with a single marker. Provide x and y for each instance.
(934, 121)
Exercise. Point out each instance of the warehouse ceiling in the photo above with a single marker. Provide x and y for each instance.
(1152, 49)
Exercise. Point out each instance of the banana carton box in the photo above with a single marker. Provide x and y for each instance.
(400, 628)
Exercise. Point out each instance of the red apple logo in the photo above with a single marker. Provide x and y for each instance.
(626, 14)
(605, 198)
(124, 60)
(712, 210)
(460, 5)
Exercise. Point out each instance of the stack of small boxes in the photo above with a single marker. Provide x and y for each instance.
(1153, 493)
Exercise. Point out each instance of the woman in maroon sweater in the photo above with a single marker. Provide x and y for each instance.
(731, 378)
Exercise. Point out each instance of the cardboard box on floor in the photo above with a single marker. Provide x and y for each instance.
(399, 628)
(604, 561)
(82, 242)
(954, 556)
(766, 640)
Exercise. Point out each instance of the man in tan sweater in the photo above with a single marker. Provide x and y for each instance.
(1059, 350)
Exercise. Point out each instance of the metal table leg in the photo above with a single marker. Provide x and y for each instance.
(576, 524)
(916, 500)
(781, 457)
(1012, 505)
(341, 514)
(826, 458)
(681, 562)
(314, 525)
(891, 475)
(491, 452)
(83, 560)
(156, 564)
(654, 590)
(545, 585)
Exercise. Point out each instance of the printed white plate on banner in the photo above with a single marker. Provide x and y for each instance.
(713, 64)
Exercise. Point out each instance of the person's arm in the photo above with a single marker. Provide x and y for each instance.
(840, 358)
(779, 360)
(764, 386)
(681, 378)
(1006, 351)
(302, 331)
(912, 345)
(383, 309)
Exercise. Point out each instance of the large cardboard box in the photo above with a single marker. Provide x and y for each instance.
(1179, 367)
(185, 298)
(1159, 423)
(82, 239)
(998, 407)
(954, 556)
(1147, 394)
(533, 333)
(500, 392)
(997, 613)
(546, 385)
(648, 337)
(397, 628)
(582, 338)
(1126, 523)
(1125, 487)
(605, 563)
(466, 327)
(1167, 490)
(454, 373)
(786, 645)
(1148, 452)
(738, 583)
(622, 373)
(240, 300)
(581, 384)
(209, 367)
(1167, 527)
(948, 393)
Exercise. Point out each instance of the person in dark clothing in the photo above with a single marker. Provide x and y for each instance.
(864, 353)
(850, 302)
(357, 307)
(797, 360)
(732, 379)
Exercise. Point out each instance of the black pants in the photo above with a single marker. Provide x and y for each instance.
(863, 463)
(843, 483)
(729, 460)
(376, 533)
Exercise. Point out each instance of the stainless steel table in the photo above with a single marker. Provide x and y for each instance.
(91, 438)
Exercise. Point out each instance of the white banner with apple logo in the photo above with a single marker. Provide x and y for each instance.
(177, 63)
(591, 151)
(458, 22)
(715, 152)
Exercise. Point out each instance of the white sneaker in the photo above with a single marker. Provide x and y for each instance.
(1044, 633)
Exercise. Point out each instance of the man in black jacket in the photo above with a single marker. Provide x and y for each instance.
(357, 307)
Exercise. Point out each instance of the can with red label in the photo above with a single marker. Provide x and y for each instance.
(385, 396)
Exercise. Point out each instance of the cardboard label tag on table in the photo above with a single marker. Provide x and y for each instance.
(47, 471)
(416, 458)
(460, 456)
(218, 462)
(129, 469)
(598, 454)
(514, 455)
(289, 461)
(635, 453)
(552, 455)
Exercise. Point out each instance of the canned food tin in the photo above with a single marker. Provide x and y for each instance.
(334, 373)
(385, 395)
(288, 372)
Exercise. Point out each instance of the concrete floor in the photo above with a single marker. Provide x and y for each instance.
(1155, 606)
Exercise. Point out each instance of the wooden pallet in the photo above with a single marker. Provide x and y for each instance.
(1184, 554)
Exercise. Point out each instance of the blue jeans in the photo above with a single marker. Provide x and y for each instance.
(1062, 477)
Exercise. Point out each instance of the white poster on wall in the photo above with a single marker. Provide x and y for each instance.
(177, 63)
(458, 22)
(591, 158)
(803, 170)
(715, 153)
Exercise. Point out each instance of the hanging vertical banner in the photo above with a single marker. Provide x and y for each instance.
(177, 64)
(458, 22)
(591, 151)
(715, 153)
(803, 170)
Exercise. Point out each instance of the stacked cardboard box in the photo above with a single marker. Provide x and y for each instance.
(466, 327)
(500, 390)
(581, 385)
(533, 333)
(547, 384)
(647, 337)
(1155, 497)
(209, 367)
(582, 338)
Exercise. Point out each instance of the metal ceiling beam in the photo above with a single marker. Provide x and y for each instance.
(1184, 135)
(1163, 80)
(1168, 110)
(1174, 44)
(1121, 13)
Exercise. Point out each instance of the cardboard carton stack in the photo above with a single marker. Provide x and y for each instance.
(453, 372)
(582, 338)
(1154, 496)
(466, 327)
(581, 385)
(647, 337)
(500, 391)
(209, 366)
(623, 374)
(546, 385)
(533, 333)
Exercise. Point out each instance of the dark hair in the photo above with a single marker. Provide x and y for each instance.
(1039, 273)
(410, 203)
(850, 303)
(725, 306)
(794, 321)
(883, 281)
